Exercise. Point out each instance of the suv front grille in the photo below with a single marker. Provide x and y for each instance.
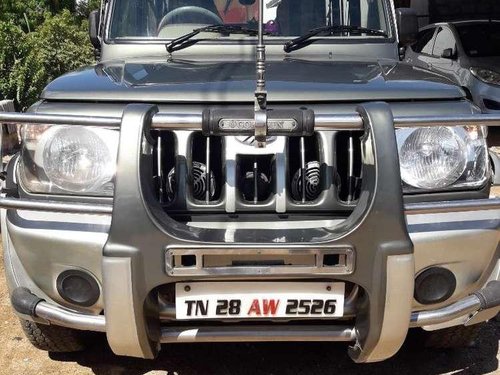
(195, 174)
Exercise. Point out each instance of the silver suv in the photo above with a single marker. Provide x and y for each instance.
(251, 171)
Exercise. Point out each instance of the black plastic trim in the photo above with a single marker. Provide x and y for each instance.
(25, 302)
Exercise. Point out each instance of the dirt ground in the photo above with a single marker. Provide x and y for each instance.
(17, 356)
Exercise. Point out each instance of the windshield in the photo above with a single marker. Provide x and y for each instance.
(480, 40)
(168, 19)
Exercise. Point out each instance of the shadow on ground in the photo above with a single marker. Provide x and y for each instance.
(293, 358)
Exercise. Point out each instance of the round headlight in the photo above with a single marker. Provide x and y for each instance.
(431, 158)
(77, 159)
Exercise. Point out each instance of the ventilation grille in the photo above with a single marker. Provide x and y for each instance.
(195, 174)
(349, 169)
(304, 169)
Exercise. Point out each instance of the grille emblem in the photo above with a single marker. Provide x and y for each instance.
(246, 124)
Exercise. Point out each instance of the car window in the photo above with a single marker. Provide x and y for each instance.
(444, 40)
(424, 42)
(167, 19)
(481, 39)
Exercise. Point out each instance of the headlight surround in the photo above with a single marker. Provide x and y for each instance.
(75, 160)
(442, 158)
(486, 75)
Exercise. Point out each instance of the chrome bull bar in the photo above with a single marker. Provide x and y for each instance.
(26, 303)
(107, 209)
(194, 122)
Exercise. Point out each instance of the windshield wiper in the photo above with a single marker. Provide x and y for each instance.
(187, 41)
(305, 40)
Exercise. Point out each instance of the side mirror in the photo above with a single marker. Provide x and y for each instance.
(448, 53)
(94, 20)
(407, 22)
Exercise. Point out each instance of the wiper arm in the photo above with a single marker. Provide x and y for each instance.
(306, 39)
(187, 41)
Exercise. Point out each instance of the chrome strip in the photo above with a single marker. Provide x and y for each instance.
(193, 121)
(67, 318)
(177, 121)
(452, 206)
(107, 209)
(40, 119)
(257, 334)
(345, 266)
(457, 120)
(468, 305)
(66, 207)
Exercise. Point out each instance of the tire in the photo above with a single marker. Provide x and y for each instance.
(452, 337)
(54, 338)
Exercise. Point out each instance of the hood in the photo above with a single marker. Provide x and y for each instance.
(288, 80)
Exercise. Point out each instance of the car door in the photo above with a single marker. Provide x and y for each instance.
(447, 66)
(420, 53)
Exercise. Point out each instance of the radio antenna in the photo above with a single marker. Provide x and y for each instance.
(260, 91)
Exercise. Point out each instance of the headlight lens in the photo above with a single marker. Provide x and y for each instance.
(69, 160)
(486, 75)
(438, 158)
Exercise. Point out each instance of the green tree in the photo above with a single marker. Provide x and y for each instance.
(29, 61)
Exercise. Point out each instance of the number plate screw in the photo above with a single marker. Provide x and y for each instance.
(329, 288)
(187, 288)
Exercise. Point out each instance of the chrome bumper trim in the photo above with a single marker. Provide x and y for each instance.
(41, 119)
(193, 121)
(314, 265)
(458, 120)
(468, 305)
(270, 333)
(107, 209)
(452, 206)
(63, 207)
(67, 318)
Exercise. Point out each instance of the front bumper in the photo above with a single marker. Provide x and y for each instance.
(131, 266)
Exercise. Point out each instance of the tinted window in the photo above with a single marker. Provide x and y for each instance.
(480, 40)
(425, 42)
(444, 40)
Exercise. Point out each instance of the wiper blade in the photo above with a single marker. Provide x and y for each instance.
(306, 39)
(187, 41)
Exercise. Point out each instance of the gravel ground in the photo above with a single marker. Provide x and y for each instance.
(17, 356)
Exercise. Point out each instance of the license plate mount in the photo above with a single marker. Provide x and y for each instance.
(259, 300)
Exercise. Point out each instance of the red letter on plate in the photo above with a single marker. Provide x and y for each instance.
(255, 308)
(271, 306)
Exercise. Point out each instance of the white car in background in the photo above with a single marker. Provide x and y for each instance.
(467, 52)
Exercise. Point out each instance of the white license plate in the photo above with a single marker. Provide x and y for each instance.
(247, 300)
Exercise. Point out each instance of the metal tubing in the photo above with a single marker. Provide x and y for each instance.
(177, 121)
(270, 333)
(463, 307)
(63, 207)
(452, 206)
(107, 209)
(41, 119)
(193, 121)
(338, 122)
(67, 318)
(458, 120)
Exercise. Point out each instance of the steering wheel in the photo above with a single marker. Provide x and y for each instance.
(190, 14)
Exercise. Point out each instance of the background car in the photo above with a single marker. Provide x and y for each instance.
(467, 52)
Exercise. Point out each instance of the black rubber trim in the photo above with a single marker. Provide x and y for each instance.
(83, 300)
(489, 295)
(25, 302)
(434, 285)
(303, 119)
